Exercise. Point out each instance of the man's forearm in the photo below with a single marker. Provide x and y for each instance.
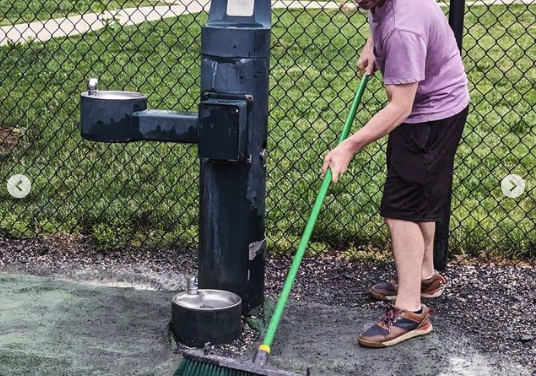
(380, 125)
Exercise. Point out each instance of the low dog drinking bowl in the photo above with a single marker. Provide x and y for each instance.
(199, 316)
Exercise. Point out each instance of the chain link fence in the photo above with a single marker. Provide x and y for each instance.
(145, 194)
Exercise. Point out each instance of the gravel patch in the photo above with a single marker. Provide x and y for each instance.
(493, 306)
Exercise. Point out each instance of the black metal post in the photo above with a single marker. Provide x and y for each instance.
(456, 18)
(441, 239)
(235, 46)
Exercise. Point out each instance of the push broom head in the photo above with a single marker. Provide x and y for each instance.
(197, 364)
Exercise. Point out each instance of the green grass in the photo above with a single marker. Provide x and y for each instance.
(21, 11)
(146, 193)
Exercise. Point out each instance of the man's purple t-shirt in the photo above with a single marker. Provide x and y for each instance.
(413, 42)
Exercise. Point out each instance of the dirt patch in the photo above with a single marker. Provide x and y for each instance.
(9, 140)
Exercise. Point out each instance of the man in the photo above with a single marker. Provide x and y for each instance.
(414, 48)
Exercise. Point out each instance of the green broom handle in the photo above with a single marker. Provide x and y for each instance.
(282, 302)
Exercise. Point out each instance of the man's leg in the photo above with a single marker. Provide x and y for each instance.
(408, 248)
(432, 283)
(428, 231)
(408, 318)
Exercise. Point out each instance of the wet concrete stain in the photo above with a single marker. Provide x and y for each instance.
(52, 327)
(325, 339)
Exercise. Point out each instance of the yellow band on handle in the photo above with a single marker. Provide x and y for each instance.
(265, 348)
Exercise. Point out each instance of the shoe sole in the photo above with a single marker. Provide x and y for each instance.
(435, 294)
(404, 337)
(377, 296)
(390, 298)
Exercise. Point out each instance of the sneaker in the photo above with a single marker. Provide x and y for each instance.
(430, 288)
(397, 326)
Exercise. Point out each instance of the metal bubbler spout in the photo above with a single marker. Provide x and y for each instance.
(92, 86)
(192, 286)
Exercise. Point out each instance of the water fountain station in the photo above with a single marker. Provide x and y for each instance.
(230, 129)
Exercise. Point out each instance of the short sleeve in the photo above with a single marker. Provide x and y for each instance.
(404, 54)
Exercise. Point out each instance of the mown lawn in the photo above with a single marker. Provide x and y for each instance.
(146, 193)
(20, 11)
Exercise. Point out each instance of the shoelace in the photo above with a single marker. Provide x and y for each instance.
(391, 315)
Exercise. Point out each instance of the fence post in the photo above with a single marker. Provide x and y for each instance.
(456, 17)
(441, 239)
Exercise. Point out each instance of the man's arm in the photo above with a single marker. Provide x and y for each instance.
(401, 99)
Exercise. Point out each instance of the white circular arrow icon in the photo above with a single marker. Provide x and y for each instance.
(19, 186)
(513, 186)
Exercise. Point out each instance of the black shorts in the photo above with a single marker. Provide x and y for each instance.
(420, 164)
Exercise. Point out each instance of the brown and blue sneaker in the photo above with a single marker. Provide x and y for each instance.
(397, 326)
(430, 288)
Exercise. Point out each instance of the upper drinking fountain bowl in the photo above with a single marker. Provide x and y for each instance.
(115, 95)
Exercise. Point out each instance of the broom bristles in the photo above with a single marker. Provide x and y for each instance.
(212, 365)
(190, 367)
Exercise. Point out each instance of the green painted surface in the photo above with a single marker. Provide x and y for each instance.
(56, 328)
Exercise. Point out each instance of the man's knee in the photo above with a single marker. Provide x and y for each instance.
(391, 222)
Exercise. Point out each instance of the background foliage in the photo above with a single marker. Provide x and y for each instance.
(146, 194)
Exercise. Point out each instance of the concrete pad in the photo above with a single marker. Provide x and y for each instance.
(325, 338)
(50, 327)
